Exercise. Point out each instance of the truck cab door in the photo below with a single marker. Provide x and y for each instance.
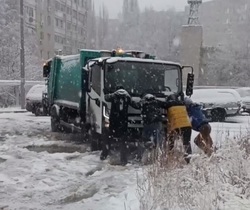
(94, 102)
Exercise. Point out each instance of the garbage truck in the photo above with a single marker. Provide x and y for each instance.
(78, 83)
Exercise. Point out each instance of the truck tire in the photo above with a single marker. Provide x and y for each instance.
(55, 118)
(38, 111)
(95, 141)
(55, 125)
(218, 115)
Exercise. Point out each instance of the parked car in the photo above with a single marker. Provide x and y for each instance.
(34, 99)
(245, 97)
(218, 103)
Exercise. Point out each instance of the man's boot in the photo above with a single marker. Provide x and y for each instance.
(188, 152)
(203, 146)
(123, 153)
(105, 153)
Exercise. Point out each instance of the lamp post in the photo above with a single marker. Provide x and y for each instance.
(22, 57)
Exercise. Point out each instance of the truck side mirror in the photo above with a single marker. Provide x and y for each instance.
(87, 79)
(190, 81)
(190, 84)
(46, 70)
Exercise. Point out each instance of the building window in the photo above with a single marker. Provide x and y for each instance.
(31, 12)
(80, 16)
(68, 10)
(57, 6)
(41, 35)
(49, 20)
(57, 22)
(74, 14)
(68, 26)
(61, 23)
(63, 8)
(49, 37)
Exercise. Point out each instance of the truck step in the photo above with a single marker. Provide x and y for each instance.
(70, 126)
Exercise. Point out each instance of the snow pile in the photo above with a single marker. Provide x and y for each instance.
(65, 180)
(23, 124)
(219, 182)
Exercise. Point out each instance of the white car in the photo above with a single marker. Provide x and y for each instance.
(218, 103)
(245, 97)
(34, 99)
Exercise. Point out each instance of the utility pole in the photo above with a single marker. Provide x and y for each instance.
(22, 57)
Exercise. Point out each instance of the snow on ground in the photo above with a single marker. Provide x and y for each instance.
(39, 172)
(23, 123)
(51, 180)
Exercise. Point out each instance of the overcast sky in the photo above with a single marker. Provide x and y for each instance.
(115, 6)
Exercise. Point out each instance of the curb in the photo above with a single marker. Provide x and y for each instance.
(14, 111)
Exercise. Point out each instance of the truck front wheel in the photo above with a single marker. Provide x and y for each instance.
(55, 125)
(95, 141)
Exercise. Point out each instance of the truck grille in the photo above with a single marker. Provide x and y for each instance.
(135, 120)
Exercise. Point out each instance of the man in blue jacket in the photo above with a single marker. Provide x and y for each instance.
(201, 125)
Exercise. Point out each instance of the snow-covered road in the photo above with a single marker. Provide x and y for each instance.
(38, 171)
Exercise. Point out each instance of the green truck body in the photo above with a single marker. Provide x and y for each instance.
(66, 80)
(66, 83)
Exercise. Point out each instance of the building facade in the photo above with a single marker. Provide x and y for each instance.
(60, 25)
(225, 22)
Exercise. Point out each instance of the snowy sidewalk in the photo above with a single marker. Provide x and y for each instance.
(12, 110)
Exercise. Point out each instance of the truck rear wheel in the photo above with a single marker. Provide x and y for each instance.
(55, 118)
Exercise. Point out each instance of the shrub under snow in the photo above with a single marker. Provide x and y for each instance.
(219, 182)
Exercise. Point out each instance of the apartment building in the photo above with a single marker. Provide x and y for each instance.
(225, 23)
(60, 25)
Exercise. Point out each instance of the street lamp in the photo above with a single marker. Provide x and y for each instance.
(22, 57)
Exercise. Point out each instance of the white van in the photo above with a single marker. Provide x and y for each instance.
(218, 103)
(34, 99)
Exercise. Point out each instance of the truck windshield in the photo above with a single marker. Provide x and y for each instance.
(139, 78)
